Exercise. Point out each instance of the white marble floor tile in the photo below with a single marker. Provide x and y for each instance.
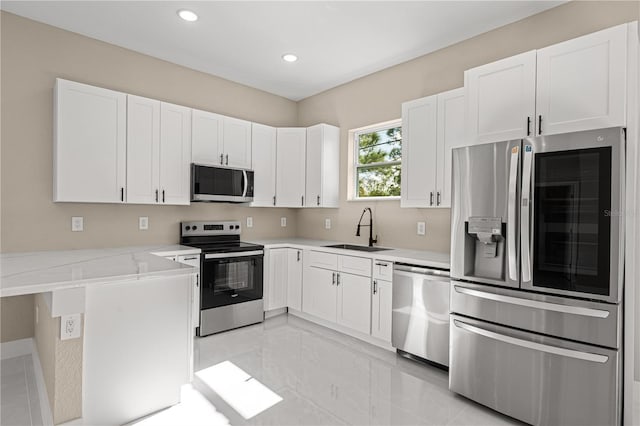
(19, 401)
(327, 378)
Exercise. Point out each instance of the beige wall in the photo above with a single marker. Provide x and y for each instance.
(16, 318)
(378, 97)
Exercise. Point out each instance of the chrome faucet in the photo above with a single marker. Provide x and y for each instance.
(372, 241)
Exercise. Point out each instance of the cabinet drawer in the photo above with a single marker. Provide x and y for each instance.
(355, 265)
(383, 270)
(324, 260)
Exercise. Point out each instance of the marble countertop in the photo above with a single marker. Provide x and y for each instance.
(37, 272)
(426, 258)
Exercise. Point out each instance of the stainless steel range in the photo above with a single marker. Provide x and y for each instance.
(231, 275)
(537, 277)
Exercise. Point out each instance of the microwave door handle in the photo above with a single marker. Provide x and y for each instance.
(511, 214)
(525, 214)
(246, 183)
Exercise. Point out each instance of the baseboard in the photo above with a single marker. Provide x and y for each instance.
(274, 312)
(344, 330)
(16, 348)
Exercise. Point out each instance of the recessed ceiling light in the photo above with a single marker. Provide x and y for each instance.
(187, 15)
(289, 57)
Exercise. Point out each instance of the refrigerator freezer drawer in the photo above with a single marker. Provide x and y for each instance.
(539, 380)
(590, 322)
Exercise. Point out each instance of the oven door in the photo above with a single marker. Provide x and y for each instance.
(229, 278)
(572, 192)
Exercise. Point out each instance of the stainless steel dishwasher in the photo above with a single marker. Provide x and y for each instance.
(420, 320)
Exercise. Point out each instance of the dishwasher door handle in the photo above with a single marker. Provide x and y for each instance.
(409, 270)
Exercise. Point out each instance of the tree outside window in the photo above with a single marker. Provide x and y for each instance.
(378, 162)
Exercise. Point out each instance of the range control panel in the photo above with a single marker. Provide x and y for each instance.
(203, 228)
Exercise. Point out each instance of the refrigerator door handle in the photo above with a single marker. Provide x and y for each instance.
(511, 214)
(525, 215)
(570, 353)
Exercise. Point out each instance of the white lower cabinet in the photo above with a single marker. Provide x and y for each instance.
(381, 310)
(294, 279)
(275, 291)
(193, 260)
(319, 293)
(354, 302)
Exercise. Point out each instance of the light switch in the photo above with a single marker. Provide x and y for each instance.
(143, 223)
(249, 222)
(77, 223)
(283, 221)
(327, 223)
(421, 228)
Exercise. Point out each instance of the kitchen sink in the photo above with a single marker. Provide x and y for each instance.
(356, 247)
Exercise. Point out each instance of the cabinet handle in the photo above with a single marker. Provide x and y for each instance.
(226, 161)
(338, 280)
(156, 195)
(375, 286)
(318, 200)
(302, 200)
(221, 157)
(528, 126)
(190, 258)
(163, 195)
(438, 198)
(122, 194)
(540, 124)
(431, 198)
(298, 256)
(333, 278)
(382, 264)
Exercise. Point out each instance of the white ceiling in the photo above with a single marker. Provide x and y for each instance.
(243, 41)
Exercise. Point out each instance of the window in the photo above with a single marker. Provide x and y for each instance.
(378, 154)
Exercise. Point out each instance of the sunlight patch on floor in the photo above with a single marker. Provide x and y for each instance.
(242, 392)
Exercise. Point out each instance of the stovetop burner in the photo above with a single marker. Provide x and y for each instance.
(215, 237)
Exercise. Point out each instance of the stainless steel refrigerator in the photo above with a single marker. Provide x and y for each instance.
(537, 277)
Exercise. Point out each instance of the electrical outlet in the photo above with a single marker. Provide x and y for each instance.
(283, 221)
(70, 326)
(421, 228)
(327, 223)
(77, 223)
(143, 223)
(249, 222)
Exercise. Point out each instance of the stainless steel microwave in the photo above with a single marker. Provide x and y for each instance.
(221, 184)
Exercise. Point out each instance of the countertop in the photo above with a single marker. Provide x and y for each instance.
(37, 272)
(426, 258)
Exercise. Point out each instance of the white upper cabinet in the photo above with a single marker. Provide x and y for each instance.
(575, 85)
(263, 151)
(323, 166)
(290, 166)
(582, 83)
(236, 142)
(219, 140)
(500, 99)
(175, 154)
(450, 135)
(206, 138)
(143, 150)
(89, 143)
(419, 159)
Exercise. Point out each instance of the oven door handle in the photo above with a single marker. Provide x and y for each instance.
(234, 254)
(246, 183)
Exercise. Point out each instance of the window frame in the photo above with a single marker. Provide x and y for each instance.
(355, 164)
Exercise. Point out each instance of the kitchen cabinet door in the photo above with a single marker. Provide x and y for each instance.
(206, 142)
(175, 154)
(294, 279)
(263, 152)
(419, 159)
(323, 166)
(236, 142)
(193, 260)
(143, 150)
(290, 166)
(582, 83)
(90, 145)
(500, 99)
(354, 302)
(450, 134)
(381, 310)
(319, 293)
(276, 286)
